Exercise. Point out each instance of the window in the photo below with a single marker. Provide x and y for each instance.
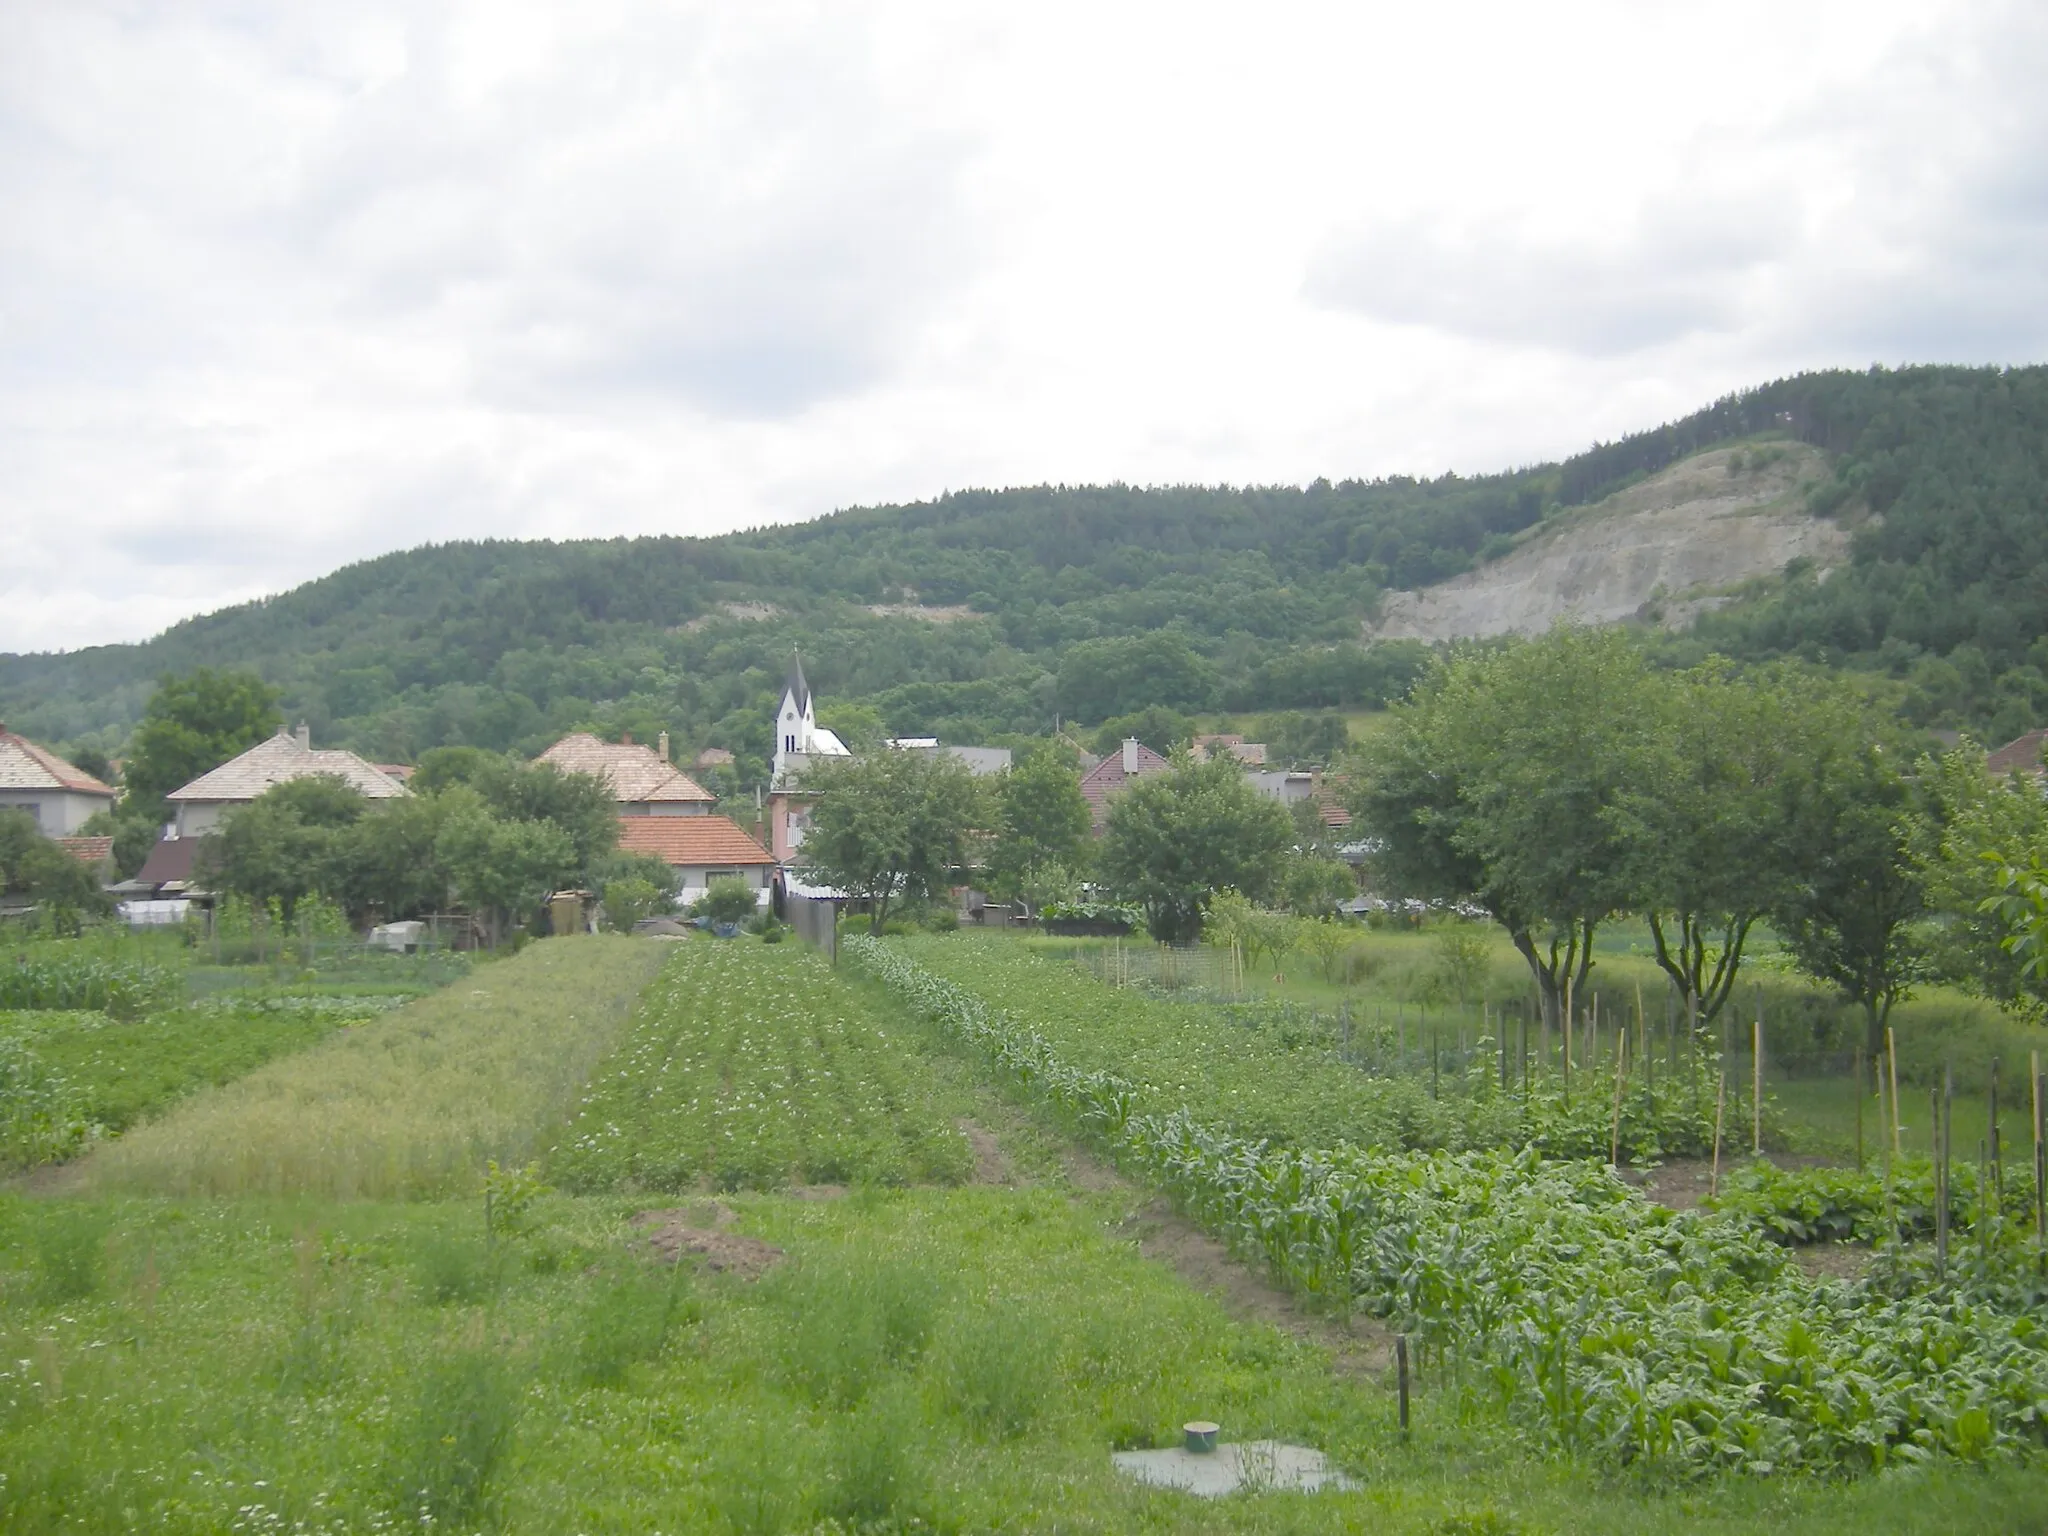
(34, 809)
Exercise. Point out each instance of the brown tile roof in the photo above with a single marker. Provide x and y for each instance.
(2023, 754)
(691, 840)
(1251, 753)
(91, 851)
(170, 861)
(24, 765)
(278, 761)
(636, 774)
(1107, 778)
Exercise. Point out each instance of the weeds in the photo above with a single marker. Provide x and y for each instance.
(997, 1369)
(449, 1447)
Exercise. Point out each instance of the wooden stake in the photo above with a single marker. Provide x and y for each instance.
(1620, 1081)
(1720, 1104)
(2040, 1185)
(1891, 1050)
(1859, 1107)
(1940, 1184)
(1997, 1152)
(1401, 1373)
(1567, 1043)
(1756, 1089)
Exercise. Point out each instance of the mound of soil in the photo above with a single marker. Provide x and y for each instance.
(673, 1233)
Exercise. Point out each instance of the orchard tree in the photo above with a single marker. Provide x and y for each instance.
(1989, 836)
(290, 842)
(34, 868)
(502, 869)
(1710, 815)
(891, 826)
(1855, 893)
(1500, 784)
(1175, 839)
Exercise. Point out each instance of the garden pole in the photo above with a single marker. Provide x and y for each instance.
(1997, 1150)
(1891, 1045)
(1620, 1082)
(1756, 1082)
(1940, 1149)
(1720, 1104)
(2040, 1166)
(1647, 1050)
(1567, 1042)
(1401, 1372)
(1859, 1108)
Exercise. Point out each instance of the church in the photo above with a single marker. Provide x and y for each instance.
(798, 739)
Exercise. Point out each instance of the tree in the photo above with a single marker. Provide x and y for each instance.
(628, 900)
(580, 805)
(728, 899)
(1500, 783)
(1317, 887)
(1175, 839)
(191, 725)
(34, 868)
(1972, 857)
(501, 869)
(1848, 912)
(395, 865)
(891, 826)
(1708, 817)
(1042, 824)
(289, 843)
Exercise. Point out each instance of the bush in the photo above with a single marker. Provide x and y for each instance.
(627, 1321)
(626, 902)
(996, 1369)
(727, 900)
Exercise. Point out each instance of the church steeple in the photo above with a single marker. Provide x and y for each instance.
(795, 689)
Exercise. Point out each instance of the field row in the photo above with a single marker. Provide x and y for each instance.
(754, 1066)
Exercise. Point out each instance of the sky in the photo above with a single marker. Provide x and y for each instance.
(286, 286)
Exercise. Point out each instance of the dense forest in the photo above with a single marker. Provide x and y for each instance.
(985, 614)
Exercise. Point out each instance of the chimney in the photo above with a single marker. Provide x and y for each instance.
(1131, 756)
(625, 738)
(305, 736)
(661, 745)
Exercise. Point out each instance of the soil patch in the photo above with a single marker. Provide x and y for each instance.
(1832, 1261)
(991, 1163)
(673, 1233)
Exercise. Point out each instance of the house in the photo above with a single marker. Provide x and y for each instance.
(1287, 785)
(199, 806)
(2022, 755)
(95, 853)
(642, 779)
(980, 761)
(1114, 774)
(1251, 753)
(59, 796)
(699, 849)
(714, 757)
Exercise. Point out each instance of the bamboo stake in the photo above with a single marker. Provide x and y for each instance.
(1620, 1080)
(1891, 1046)
(1997, 1151)
(1567, 1042)
(1859, 1107)
(1646, 1050)
(1756, 1090)
(1720, 1104)
(1940, 1184)
(2040, 1166)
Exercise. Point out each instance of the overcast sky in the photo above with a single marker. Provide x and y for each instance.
(284, 286)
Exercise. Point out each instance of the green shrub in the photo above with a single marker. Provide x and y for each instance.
(71, 1254)
(626, 1321)
(728, 900)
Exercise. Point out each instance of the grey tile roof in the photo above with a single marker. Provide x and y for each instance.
(635, 773)
(24, 765)
(278, 761)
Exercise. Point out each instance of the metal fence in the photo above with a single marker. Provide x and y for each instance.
(816, 921)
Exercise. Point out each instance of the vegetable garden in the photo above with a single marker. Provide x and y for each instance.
(1545, 1291)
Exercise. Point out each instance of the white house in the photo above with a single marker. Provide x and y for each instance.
(700, 849)
(58, 795)
(200, 805)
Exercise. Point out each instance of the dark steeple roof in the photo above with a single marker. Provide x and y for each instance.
(798, 689)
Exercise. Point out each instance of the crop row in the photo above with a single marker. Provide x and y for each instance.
(1274, 1077)
(73, 981)
(756, 1066)
(1590, 1318)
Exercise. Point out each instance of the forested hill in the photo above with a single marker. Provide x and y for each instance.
(989, 612)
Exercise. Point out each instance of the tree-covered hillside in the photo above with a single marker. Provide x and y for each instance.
(1091, 602)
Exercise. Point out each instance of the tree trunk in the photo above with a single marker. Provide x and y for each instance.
(1562, 960)
(1706, 989)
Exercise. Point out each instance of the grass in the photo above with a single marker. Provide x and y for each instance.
(754, 1066)
(409, 1106)
(283, 1365)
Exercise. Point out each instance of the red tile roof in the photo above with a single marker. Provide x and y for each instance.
(1107, 778)
(2023, 754)
(92, 851)
(690, 841)
(24, 765)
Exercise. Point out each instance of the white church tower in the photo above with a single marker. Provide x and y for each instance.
(797, 736)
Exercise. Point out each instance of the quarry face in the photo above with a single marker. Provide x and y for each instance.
(1662, 551)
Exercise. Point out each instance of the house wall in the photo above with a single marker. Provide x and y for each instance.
(196, 818)
(59, 812)
(663, 808)
(695, 877)
(788, 819)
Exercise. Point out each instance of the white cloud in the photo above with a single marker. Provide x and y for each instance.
(282, 287)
